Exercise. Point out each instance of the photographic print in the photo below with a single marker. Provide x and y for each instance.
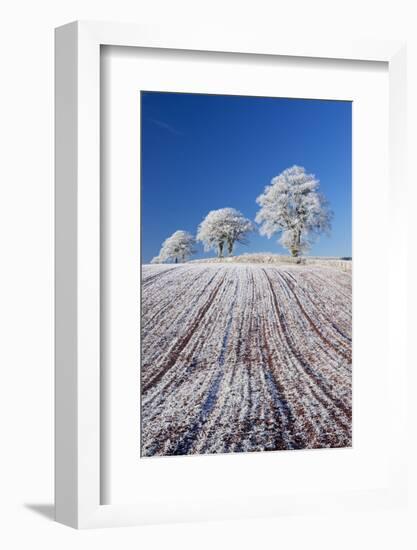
(246, 275)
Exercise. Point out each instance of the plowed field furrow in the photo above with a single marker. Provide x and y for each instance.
(244, 357)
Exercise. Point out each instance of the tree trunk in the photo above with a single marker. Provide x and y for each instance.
(296, 246)
(230, 247)
(176, 260)
(220, 254)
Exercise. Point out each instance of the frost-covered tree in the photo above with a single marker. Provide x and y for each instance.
(291, 205)
(178, 247)
(223, 228)
(237, 228)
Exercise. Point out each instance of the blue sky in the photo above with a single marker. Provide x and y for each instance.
(203, 152)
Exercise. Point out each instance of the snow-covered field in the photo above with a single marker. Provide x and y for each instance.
(245, 357)
(267, 258)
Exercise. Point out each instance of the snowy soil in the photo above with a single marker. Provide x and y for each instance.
(241, 357)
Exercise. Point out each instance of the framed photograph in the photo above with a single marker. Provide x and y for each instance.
(227, 344)
(245, 350)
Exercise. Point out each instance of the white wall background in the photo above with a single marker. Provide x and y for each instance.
(26, 270)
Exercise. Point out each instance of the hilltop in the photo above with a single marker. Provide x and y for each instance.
(269, 258)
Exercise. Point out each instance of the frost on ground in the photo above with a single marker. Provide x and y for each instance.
(267, 258)
(241, 357)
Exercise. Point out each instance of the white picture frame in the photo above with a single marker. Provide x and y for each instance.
(78, 406)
